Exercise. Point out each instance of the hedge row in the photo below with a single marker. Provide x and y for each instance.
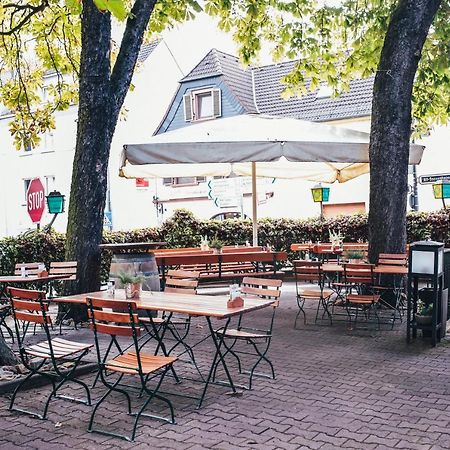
(185, 230)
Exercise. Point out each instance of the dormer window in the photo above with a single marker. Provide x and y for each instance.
(202, 104)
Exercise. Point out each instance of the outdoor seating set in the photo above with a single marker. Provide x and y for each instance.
(354, 290)
(33, 274)
(231, 264)
(138, 346)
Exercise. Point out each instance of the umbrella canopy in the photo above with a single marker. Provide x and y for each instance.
(256, 145)
(277, 144)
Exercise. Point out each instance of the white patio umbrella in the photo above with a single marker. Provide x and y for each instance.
(256, 145)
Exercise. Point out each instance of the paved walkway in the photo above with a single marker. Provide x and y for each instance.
(334, 389)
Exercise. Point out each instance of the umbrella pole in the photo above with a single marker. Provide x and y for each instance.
(254, 206)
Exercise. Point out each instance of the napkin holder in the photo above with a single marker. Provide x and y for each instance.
(237, 302)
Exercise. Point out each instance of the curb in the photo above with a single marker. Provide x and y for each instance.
(37, 381)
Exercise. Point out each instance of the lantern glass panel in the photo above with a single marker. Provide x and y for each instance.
(55, 204)
(446, 191)
(325, 194)
(437, 190)
(422, 262)
(317, 194)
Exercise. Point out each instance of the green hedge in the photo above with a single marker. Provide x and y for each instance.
(183, 229)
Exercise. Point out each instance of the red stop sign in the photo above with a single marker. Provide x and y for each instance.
(35, 200)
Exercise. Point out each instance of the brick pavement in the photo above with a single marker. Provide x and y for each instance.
(334, 389)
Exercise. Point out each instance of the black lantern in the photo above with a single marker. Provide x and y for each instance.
(425, 290)
(320, 194)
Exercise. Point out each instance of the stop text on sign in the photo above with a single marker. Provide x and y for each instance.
(35, 200)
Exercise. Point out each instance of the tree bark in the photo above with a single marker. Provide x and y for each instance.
(7, 357)
(391, 124)
(101, 96)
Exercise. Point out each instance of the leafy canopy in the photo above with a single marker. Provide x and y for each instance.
(40, 44)
(333, 43)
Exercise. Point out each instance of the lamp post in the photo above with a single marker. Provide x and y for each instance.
(320, 194)
(441, 191)
(55, 204)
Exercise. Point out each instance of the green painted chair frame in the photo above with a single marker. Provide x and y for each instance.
(264, 288)
(124, 322)
(29, 306)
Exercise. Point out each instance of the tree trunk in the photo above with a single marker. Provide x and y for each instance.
(101, 96)
(7, 357)
(90, 165)
(391, 124)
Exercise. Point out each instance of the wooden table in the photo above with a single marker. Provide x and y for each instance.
(255, 257)
(383, 270)
(19, 279)
(206, 306)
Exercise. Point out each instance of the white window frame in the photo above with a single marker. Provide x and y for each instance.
(193, 97)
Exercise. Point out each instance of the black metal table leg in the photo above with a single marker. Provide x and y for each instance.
(218, 355)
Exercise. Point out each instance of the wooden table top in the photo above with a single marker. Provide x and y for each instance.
(383, 269)
(132, 246)
(209, 258)
(189, 304)
(31, 278)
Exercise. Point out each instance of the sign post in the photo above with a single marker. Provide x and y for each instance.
(435, 178)
(35, 200)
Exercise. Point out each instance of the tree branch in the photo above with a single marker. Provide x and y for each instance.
(32, 10)
(129, 51)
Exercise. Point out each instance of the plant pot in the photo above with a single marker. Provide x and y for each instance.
(133, 290)
(424, 320)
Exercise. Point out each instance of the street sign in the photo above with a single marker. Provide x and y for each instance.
(435, 178)
(35, 200)
(107, 220)
(226, 192)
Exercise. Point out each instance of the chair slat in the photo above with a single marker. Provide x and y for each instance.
(30, 317)
(29, 306)
(114, 316)
(268, 282)
(28, 294)
(115, 330)
(117, 305)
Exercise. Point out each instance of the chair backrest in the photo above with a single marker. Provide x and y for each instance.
(68, 268)
(182, 281)
(393, 259)
(261, 287)
(360, 273)
(114, 318)
(28, 306)
(308, 271)
(31, 268)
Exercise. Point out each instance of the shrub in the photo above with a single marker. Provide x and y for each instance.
(183, 229)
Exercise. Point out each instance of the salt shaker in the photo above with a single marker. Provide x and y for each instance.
(23, 271)
(111, 287)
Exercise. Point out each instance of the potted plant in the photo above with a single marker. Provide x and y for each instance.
(424, 314)
(355, 256)
(216, 245)
(132, 284)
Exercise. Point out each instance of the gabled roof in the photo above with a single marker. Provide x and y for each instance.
(263, 93)
(236, 77)
(356, 102)
(147, 49)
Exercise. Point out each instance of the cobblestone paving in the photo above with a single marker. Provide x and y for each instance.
(334, 389)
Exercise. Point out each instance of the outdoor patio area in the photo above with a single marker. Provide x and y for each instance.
(334, 388)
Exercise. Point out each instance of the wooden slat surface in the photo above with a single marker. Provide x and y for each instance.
(193, 305)
(31, 279)
(387, 270)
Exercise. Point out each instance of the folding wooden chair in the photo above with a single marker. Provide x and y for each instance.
(30, 268)
(260, 339)
(123, 321)
(361, 296)
(390, 287)
(311, 271)
(69, 270)
(178, 281)
(30, 306)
